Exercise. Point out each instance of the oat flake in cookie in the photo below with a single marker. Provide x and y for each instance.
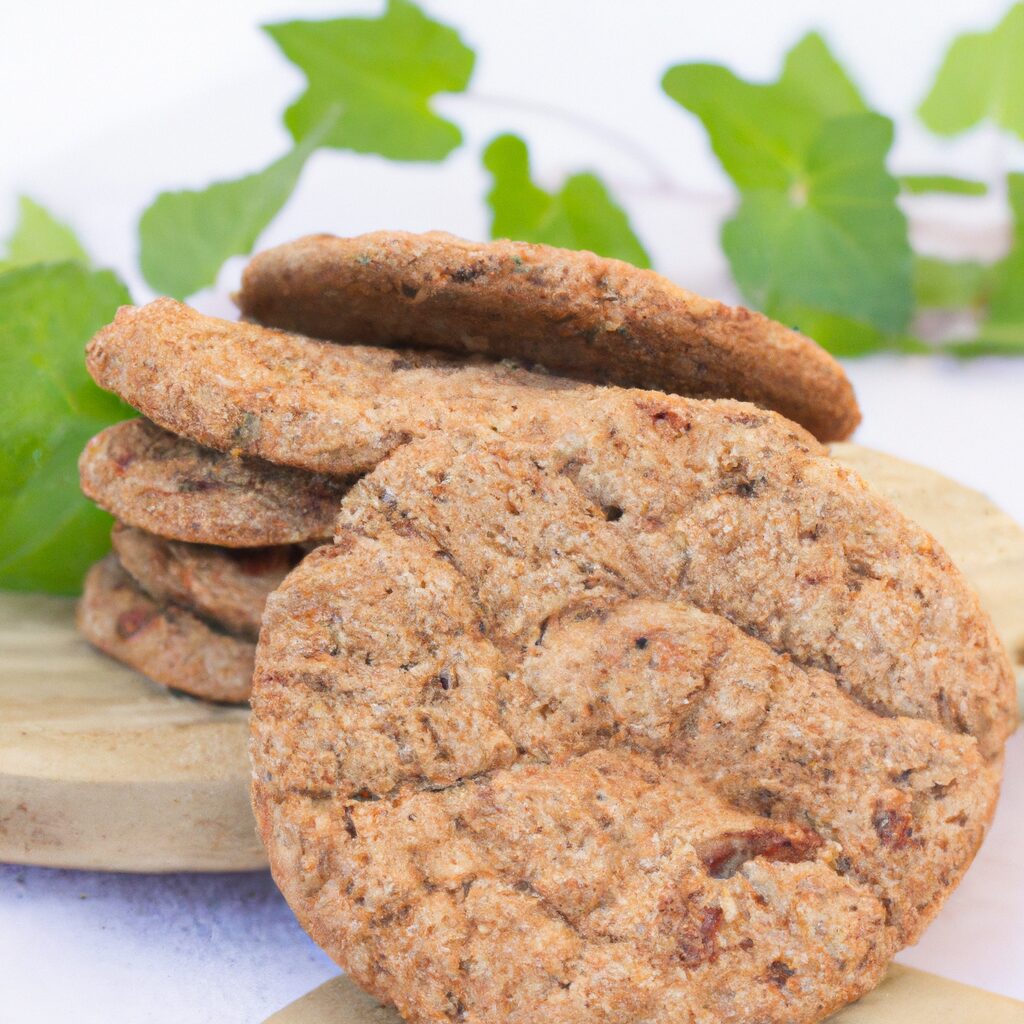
(575, 313)
(693, 728)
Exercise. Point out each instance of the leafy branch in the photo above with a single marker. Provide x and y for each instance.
(818, 237)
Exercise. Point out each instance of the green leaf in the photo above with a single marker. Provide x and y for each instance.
(942, 284)
(40, 238)
(50, 532)
(818, 228)
(981, 79)
(762, 133)
(581, 215)
(185, 237)
(835, 240)
(921, 184)
(382, 72)
(1002, 330)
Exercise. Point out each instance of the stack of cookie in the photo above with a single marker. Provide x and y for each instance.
(201, 540)
(603, 703)
(204, 535)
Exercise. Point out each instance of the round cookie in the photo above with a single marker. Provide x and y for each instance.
(601, 730)
(710, 484)
(226, 586)
(166, 485)
(295, 401)
(164, 642)
(576, 313)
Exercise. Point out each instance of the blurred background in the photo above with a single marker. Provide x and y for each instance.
(104, 105)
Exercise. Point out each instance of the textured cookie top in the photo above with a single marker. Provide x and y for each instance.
(663, 718)
(298, 402)
(573, 312)
(168, 486)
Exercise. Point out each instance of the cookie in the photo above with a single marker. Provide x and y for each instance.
(624, 726)
(169, 486)
(575, 313)
(298, 402)
(164, 642)
(712, 486)
(226, 586)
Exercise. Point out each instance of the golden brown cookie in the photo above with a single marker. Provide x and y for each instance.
(226, 586)
(667, 718)
(298, 402)
(164, 642)
(576, 313)
(713, 486)
(171, 487)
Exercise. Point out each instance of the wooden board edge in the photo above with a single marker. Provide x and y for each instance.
(905, 996)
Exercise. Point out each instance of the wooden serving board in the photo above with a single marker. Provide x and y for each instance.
(102, 769)
(905, 996)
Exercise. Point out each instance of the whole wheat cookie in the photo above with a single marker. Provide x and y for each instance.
(168, 486)
(294, 401)
(226, 586)
(669, 718)
(575, 313)
(164, 642)
(712, 484)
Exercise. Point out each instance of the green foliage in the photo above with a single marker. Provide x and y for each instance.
(1001, 331)
(40, 238)
(944, 284)
(981, 79)
(581, 215)
(922, 184)
(818, 235)
(383, 72)
(51, 407)
(185, 237)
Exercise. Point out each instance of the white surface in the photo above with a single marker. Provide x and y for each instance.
(104, 104)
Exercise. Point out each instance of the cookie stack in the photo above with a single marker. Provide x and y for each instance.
(603, 703)
(201, 540)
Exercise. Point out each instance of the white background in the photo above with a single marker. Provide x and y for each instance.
(103, 104)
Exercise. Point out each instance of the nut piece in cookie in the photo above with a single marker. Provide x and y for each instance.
(226, 586)
(164, 642)
(168, 486)
(575, 313)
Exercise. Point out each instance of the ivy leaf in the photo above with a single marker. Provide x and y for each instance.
(922, 184)
(186, 236)
(981, 79)
(818, 232)
(382, 72)
(1001, 332)
(581, 215)
(51, 532)
(762, 133)
(945, 284)
(40, 238)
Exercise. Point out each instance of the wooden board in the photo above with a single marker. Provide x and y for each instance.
(905, 996)
(99, 768)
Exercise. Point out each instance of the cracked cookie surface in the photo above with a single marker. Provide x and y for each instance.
(574, 312)
(667, 718)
